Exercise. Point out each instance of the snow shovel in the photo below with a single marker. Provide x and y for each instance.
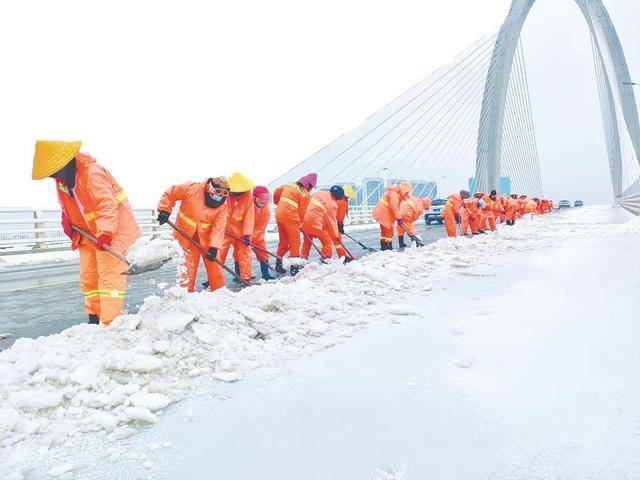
(360, 243)
(132, 269)
(258, 247)
(346, 250)
(204, 253)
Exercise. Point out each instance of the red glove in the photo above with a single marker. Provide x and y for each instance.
(103, 240)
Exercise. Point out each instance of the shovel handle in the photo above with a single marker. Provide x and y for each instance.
(360, 243)
(346, 250)
(311, 242)
(204, 252)
(93, 239)
(257, 247)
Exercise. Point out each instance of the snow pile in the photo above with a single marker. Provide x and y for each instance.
(30, 258)
(115, 380)
(147, 251)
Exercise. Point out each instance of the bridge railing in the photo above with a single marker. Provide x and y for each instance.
(36, 230)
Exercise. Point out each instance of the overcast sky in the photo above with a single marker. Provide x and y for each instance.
(161, 92)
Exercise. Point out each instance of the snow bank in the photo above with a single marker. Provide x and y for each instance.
(31, 258)
(119, 379)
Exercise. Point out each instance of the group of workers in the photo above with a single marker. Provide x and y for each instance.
(220, 213)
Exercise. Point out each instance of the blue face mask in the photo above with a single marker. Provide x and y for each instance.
(213, 201)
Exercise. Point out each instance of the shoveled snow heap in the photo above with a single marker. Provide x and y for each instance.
(52, 389)
(147, 251)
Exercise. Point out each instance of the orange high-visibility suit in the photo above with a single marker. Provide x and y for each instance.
(469, 214)
(522, 203)
(411, 210)
(239, 224)
(320, 221)
(343, 209)
(387, 211)
(292, 200)
(530, 207)
(98, 205)
(204, 224)
(261, 217)
(489, 213)
(450, 211)
(502, 208)
(512, 210)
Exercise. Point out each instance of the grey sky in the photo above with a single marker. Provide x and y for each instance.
(162, 92)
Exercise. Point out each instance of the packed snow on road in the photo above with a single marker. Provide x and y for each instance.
(93, 402)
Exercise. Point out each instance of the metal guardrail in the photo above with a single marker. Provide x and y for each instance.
(37, 230)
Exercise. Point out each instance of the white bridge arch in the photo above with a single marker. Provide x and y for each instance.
(618, 104)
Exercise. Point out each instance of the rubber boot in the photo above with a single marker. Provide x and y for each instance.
(279, 268)
(383, 245)
(94, 319)
(389, 245)
(264, 270)
(295, 269)
(236, 268)
(347, 259)
(401, 243)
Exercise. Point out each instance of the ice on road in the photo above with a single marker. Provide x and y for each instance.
(511, 355)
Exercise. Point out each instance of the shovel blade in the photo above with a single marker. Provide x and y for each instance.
(147, 267)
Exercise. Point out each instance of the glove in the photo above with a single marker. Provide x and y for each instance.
(163, 216)
(400, 223)
(103, 240)
(212, 253)
(418, 241)
(341, 228)
(246, 240)
(66, 226)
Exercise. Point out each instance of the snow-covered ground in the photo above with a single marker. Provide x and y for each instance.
(491, 357)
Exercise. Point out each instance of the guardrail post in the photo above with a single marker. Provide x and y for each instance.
(155, 226)
(40, 236)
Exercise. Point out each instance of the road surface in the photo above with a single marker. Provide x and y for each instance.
(45, 299)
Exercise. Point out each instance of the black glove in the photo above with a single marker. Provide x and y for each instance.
(341, 228)
(417, 240)
(458, 219)
(212, 253)
(163, 217)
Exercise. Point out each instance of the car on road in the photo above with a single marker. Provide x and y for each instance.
(434, 214)
(564, 204)
(578, 203)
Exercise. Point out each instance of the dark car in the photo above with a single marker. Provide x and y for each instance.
(578, 203)
(434, 214)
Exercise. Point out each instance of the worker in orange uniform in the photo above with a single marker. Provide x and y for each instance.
(451, 211)
(502, 204)
(522, 204)
(411, 210)
(469, 215)
(531, 206)
(343, 206)
(202, 216)
(512, 209)
(91, 200)
(387, 212)
(321, 222)
(240, 217)
(262, 215)
(292, 200)
(490, 212)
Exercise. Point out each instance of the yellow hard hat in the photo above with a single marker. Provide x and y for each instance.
(348, 192)
(51, 156)
(238, 183)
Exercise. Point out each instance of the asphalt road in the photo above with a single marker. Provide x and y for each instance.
(41, 300)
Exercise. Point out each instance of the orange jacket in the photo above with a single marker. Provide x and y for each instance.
(387, 210)
(411, 210)
(343, 209)
(261, 217)
(470, 207)
(512, 208)
(292, 201)
(530, 207)
(490, 207)
(240, 214)
(322, 214)
(453, 205)
(194, 216)
(98, 205)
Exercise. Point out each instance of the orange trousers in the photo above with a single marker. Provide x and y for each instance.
(326, 250)
(386, 233)
(467, 222)
(260, 255)
(102, 282)
(449, 222)
(189, 269)
(241, 254)
(289, 239)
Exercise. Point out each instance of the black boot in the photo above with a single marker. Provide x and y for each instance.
(94, 319)
(390, 245)
(383, 245)
(264, 270)
(347, 259)
(294, 270)
(236, 268)
(401, 243)
(279, 268)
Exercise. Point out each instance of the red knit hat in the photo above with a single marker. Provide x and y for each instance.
(261, 195)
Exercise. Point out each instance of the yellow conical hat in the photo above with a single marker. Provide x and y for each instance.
(239, 183)
(348, 192)
(51, 156)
